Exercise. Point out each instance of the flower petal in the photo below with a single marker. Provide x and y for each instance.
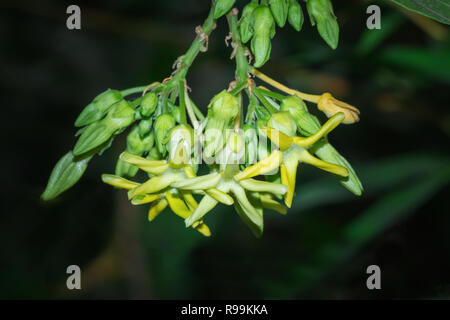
(150, 166)
(157, 208)
(142, 199)
(203, 229)
(153, 185)
(263, 186)
(118, 181)
(271, 204)
(220, 196)
(198, 183)
(251, 214)
(332, 123)
(264, 166)
(333, 168)
(177, 204)
(206, 205)
(280, 139)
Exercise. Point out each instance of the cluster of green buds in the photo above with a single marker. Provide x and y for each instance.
(259, 18)
(249, 158)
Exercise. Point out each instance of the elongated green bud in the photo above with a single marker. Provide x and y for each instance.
(65, 174)
(145, 126)
(176, 114)
(223, 109)
(148, 104)
(247, 20)
(98, 107)
(264, 28)
(307, 124)
(163, 124)
(283, 122)
(251, 144)
(222, 7)
(279, 10)
(135, 144)
(295, 15)
(321, 13)
(120, 116)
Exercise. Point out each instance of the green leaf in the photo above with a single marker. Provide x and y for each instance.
(66, 173)
(438, 10)
(433, 63)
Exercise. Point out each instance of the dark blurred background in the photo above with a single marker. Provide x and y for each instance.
(398, 76)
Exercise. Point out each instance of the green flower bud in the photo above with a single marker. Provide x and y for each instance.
(247, 20)
(295, 15)
(124, 169)
(307, 124)
(135, 144)
(251, 144)
(154, 154)
(163, 124)
(145, 126)
(148, 141)
(65, 174)
(176, 114)
(321, 12)
(119, 116)
(279, 10)
(264, 29)
(235, 142)
(148, 104)
(223, 109)
(261, 48)
(224, 106)
(222, 7)
(95, 135)
(283, 122)
(98, 107)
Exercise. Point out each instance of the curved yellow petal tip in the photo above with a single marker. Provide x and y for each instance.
(203, 229)
(280, 139)
(156, 209)
(264, 166)
(118, 181)
(330, 106)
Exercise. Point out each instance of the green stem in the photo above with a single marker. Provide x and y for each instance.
(198, 43)
(129, 91)
(182, 102)
(242, 66)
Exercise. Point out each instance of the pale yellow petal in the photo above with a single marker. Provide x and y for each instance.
(142, 199)
(280, 139)
(157, 208)
(271, 204)
(150, 166)
(330, 167)
(118, 181)
(263, 186)
(206, 205)
(220, 196)
(332, 123)
(177, 204)
(264, 166)
(198, 183)
(154, 185)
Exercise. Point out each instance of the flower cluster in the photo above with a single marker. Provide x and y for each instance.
(247, 159)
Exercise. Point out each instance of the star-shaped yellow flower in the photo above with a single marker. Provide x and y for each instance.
(292, 150)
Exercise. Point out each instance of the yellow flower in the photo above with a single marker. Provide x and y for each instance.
(331, 106)
(293, 150)
(227, 184)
